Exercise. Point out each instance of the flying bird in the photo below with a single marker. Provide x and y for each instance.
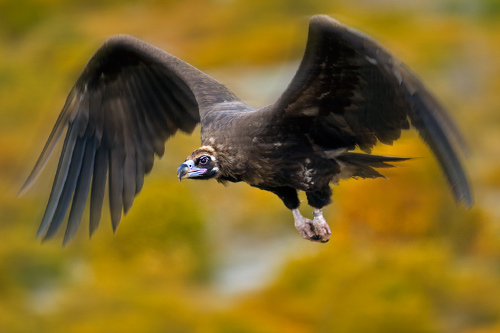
(348, 93)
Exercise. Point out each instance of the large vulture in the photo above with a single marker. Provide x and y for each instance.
(348, 93)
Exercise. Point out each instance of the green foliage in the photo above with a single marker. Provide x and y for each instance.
(403, 257)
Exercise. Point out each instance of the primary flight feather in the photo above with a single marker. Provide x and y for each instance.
(348, 93)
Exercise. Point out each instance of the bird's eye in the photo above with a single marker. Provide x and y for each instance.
(204, 160)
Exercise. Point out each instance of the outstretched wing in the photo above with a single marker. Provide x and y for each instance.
(354, 93)
(130, 98)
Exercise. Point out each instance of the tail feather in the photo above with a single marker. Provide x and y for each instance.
(355, 165)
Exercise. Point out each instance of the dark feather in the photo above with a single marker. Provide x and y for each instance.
(68, 188)
(59, 180)
(362, 165)
(81, 191)
(98, 186)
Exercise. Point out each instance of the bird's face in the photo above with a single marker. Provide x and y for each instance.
(201, 164)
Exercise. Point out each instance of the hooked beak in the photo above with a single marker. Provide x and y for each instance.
(189, 170)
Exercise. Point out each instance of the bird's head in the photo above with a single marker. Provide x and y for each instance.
(201, 164)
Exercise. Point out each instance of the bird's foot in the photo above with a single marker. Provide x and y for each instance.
(316, 230)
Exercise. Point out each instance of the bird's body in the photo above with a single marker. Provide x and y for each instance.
(348, 93)
(278, 154)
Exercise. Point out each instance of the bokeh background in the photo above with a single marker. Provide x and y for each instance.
(199, 257)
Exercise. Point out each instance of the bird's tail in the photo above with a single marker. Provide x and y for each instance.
(355, 165)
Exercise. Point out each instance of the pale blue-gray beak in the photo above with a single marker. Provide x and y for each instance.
(189, 170)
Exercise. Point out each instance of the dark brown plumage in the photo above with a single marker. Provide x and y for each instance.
(131, 97)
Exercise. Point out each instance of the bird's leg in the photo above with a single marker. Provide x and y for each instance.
(316, 230)
(321, 225)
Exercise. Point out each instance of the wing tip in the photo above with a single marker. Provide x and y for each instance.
(26, 186)
(465, 197)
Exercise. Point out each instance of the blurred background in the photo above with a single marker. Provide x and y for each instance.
(199, 257)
